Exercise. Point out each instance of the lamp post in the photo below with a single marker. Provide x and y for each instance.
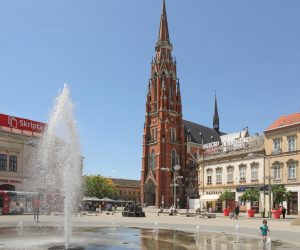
(202, 162)
(176, 168)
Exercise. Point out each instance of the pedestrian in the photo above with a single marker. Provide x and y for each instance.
(283, 211)
(98, 209)
(237, 210)
(160, 211)
(171, 210)
(36, 208)
(187, 208)
(264, 230)
(21, 207)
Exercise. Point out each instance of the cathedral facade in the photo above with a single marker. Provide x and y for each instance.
(168, 139)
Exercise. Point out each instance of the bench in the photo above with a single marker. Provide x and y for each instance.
(188, 214)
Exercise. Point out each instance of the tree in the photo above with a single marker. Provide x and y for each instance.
(98, 186)
(250, 195)
(280, 194)
(227, 196)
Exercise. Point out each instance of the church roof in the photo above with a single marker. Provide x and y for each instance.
(196, 130)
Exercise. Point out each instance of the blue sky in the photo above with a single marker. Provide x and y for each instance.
(246, 51)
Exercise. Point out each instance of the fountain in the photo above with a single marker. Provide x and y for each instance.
(197, 237)
(155, 231)
(237, 236)
(57, 162)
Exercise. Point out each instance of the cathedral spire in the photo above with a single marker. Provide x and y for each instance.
(216, 116)
(163, 34)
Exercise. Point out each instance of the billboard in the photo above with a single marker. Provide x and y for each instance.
(21, 123)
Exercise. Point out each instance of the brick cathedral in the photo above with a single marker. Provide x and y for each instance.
(168, 140)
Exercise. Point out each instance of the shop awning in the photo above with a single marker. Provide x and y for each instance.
(209, 197)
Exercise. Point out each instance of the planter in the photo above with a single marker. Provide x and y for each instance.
(276, 214)
(250, 213)
(226, 212)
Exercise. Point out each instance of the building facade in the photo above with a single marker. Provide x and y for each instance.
(127, 190)
(168, 140)
(282, 146)
(16, 151)
(236, 165)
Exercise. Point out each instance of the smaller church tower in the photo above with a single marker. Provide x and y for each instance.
(216, 117)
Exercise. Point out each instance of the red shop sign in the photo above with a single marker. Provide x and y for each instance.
(21, 123)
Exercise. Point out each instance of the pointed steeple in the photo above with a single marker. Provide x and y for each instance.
(163, 34)
(216, 116)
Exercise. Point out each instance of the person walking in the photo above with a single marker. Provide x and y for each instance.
(283, 211)
(187, 208)
(237, 210)
(36, 208)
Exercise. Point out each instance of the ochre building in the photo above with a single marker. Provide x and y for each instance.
(127, 190)
(282, 147)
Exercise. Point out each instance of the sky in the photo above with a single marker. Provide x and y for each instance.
(248, 52)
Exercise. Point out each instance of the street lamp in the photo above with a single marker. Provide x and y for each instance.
(174, 170)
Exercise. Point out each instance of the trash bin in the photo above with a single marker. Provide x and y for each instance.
(262, 214)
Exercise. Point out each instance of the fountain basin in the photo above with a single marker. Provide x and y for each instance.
(51, 238)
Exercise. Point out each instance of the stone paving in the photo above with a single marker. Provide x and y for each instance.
(280, 229)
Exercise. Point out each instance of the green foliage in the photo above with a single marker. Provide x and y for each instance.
(98, 186)
(280, 194)
(227, 196)
(251, 195)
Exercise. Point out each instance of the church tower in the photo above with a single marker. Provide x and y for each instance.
(216, 124)
(163, 138)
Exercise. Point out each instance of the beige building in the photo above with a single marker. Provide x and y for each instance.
(282, 146)
(236, 165)
(15, 155)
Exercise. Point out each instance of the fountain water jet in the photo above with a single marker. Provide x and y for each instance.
(57, 163)
(155, 231)
(237, 235)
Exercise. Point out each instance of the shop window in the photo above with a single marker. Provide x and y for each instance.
(13, 163)
(3, 162)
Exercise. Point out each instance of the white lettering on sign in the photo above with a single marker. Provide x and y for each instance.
(214, 192)
(211, 144)
(10, 181)
(32, 125)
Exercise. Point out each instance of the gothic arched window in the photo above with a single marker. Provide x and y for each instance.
(174, 159)
(152, 161)
(155, 92)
